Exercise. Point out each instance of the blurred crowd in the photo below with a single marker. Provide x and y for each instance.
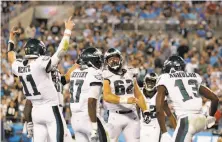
(146, 52)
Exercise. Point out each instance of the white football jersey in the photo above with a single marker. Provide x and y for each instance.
(183, 91)
(56, 78)
(37, 83)
(80, 82)
(121, 85)
(151, 104)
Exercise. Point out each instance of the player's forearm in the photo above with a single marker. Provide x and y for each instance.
(138, 94)
(67, 75)
(11, 54)
(213, 108)
(207, 93)
(92, 109)
(61, 51)
(111, 98)
(141, 103)
(171, 117)
(160, 108)
(161, 121)
(28, 111)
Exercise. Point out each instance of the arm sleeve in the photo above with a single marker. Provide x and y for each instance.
(15, 65)
(95, 91)
(62, 49)
(45, 62)
(96, 79)
(161, 80)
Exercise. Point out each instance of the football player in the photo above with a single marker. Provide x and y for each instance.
(56, 78)
(184, 90)
(150, 130)
(121, 93)
(34, 73)
(85, 87)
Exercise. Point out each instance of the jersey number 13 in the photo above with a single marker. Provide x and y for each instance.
(183, 91)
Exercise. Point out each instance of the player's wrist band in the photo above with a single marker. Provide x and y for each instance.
(94, 126)
(123, 100)
(11, 46)
(68, 32)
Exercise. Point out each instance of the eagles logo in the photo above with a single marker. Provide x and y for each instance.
(99, 77)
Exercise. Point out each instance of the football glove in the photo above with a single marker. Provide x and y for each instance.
(94, 136)
(166, 137)
(146, 117)
(210, 121)
(30, 129)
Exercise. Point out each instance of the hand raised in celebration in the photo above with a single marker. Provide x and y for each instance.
(69, 24)
(14, 31)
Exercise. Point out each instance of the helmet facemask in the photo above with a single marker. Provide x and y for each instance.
(150, 83)
(114, 62)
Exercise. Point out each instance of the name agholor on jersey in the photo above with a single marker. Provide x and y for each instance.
(183, 91)
(37, 83)
(80, 82)
(121, 85)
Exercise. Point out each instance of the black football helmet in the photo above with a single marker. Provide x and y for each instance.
(34, 48)
(91, 57)
(150, 82)
(173, 63)
(113, 65)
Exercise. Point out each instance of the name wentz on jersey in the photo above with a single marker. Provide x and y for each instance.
(80, 82)
(37, 84)
(182, 90)
(121, 85)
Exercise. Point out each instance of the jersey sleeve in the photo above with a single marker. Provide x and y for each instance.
(15, 66)
(96, 84)
(134, 71)
(96, 79)
(162, 80)
(105, 75)
(45, 62)
(199, 79)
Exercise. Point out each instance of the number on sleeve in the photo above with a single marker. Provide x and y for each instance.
(183, 91)
(30, 79)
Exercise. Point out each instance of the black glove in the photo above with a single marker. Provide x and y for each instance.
(146, 117)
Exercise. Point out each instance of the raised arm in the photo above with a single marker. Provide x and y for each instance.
(63, 46)
(11, 46)
(138, 94)
(207, 93)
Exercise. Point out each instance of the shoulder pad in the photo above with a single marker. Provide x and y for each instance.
(45, 58)
(19, 60)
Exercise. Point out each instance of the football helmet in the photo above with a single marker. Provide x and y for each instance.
(150, 82)
(34, 48)
(113, 59)
(91, 57)
(173, 63)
